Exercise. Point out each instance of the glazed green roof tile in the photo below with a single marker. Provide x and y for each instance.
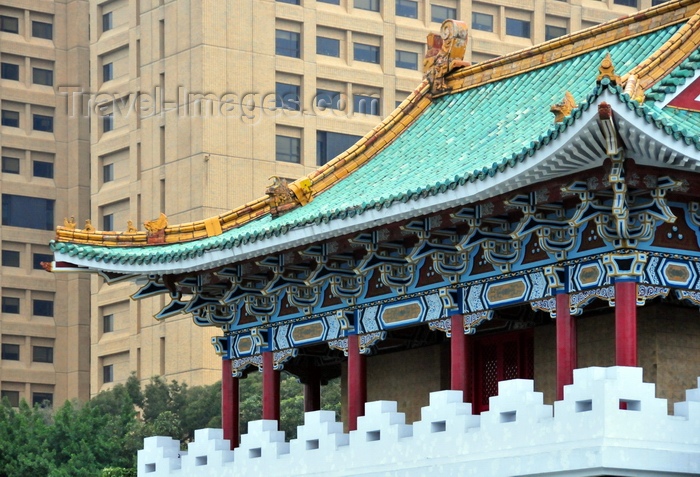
(677, 77)
(443, 148)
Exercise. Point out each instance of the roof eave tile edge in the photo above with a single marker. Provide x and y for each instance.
(306, 233)
(569, 46)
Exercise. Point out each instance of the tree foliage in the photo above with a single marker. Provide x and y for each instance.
(101, 437)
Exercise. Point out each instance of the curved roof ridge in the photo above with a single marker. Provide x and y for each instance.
(670, 55)
(573, 44)
(318, 181)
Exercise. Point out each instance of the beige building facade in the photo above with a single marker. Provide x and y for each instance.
(192, 106)
(45, 320)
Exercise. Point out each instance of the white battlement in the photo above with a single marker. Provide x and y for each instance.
(610, 422)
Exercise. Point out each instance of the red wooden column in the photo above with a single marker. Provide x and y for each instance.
(566, 344)
(271, 388)
(312, 393)
(230, 412)
(460, 358)
(625, 322)
(357, 382)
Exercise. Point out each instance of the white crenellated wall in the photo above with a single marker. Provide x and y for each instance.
(589, 433)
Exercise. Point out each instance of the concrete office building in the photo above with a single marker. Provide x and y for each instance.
(44, 326)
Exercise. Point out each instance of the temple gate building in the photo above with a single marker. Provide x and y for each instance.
(520, 218)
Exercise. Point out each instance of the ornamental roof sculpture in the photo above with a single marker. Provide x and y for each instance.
(468, 133)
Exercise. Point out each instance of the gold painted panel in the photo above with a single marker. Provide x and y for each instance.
(307, 331)
(506, 291)
(401, 313)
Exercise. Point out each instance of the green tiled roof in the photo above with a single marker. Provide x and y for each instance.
(460, 138)
(678, 77)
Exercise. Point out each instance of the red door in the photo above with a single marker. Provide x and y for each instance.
(500, 357)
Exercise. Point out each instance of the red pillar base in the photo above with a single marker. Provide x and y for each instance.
(271, 389)
(566, 344)
(230, 412)
(357, 382)
(625, 323)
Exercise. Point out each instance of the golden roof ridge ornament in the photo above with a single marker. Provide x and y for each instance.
(607, 70)
(156, 229)
(563, 108)
(634, 89)
(69, 223)
(89, 228)
(445, 53)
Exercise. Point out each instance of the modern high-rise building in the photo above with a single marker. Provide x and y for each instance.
(187, 108)
(45, 321)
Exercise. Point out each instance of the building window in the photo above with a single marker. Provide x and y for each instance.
(29, 212)
(42, 399)
(327, 46)
(10, 304)
(10, 258)
(108, 323)
(439, 14)
(329, 145)
(10, 118)
(108, 373)
(42, 307)
(287, 96)
(371, 5)
(42, 30)
(326, 98)
(515, 27)
(288, 149)
(406, 8)
(291, 2)
(107, 22)
(366, 53)
(332, 2)
(9, 24)
(10, 165)
(10, 352)
(108, 173)
(107, 122)
(406, 59)
(12, 397)
(288, 43)
(657, 2)
(43, 169)
(552, 32)
(107, 72)
(9, 71)
(482, 21)
(42, 76)
(627, 3)
(37, 258)
(108, 222)
(43, 123)
(42, 354)
(364, 104)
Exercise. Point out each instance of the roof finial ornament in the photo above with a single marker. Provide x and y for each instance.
(130, 229)
(280, 197)
(156, 225)
(156, 229)
(88, 226)
(445, 52)
(607, 70)
(69, 223)
(564, 108)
